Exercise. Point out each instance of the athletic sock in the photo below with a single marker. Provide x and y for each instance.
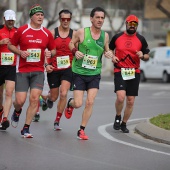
(26, 126)
(58, 117)
(18, 111)
(123, 123)
(5, 118)
(118, 117)
(82, 127)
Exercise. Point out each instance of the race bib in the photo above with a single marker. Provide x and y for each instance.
(128, 73)
(7, 58)
(35, 55)
(90, 62)
(63, 61)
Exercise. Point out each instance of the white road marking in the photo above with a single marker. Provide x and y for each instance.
(102, 131)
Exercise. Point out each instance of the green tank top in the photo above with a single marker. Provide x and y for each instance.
(91, 64)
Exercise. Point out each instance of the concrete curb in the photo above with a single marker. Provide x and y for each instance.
(150, 131)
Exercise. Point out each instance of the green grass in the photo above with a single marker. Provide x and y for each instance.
(162, 121)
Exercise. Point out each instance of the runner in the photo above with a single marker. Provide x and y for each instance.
(30, 43)
(60, 78)
(7, 67)
(128, 48)
(86, 66)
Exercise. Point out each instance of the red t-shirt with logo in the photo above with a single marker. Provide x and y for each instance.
(35, 41)
(125, 47)
(6, 56)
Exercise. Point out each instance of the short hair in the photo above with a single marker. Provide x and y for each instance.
(65, 11)
(99, 9)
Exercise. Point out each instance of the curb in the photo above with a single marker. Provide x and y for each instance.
(150, 131)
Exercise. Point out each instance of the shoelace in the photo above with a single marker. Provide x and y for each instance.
(82, 132)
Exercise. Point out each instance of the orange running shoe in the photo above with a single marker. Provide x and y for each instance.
(81, 135)
(68, 110)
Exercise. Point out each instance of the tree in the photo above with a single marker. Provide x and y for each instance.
(161, 8)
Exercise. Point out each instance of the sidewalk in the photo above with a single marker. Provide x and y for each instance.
(150, 131)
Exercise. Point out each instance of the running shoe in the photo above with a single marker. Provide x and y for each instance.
(57, 126)
(15, 118)
(25, 133)
(124, 128)
(1, 113)
(5, 124)
(49, 103)
(81, 135)
(44, 106)
(116, 124)
(36, 118)
(68, 110)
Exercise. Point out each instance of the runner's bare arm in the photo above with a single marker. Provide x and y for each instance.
(74, 43)
(75, 39)
(14, 49)
(108, 53)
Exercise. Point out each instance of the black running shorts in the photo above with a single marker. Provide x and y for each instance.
(82, 82)
(7, 73)
(54, 78)
(130, 86)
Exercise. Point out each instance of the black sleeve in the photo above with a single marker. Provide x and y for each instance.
(145, 48)
(1, 26)
(112, 45)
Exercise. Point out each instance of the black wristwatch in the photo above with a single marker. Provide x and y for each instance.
(46, 64)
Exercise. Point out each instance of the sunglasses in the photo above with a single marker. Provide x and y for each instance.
(65, 19)
(135, 24)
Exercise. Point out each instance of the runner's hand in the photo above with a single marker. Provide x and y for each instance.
(115, 59)
(24, 54)
(79, 55)
(108, 54)
(49, 68)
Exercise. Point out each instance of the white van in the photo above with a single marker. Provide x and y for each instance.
(158, 65)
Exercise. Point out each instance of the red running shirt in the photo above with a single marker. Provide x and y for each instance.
(4, 51)
(64, 56)
(35, 41)
(125, 47)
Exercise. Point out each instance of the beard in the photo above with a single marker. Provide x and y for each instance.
(130, 31)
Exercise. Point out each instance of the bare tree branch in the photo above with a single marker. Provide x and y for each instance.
(161, 8)
(53, 20)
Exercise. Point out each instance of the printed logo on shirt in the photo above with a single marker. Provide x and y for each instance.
(128, 44)
(29, 36)
(88, 41)
(99, 43)
(39, 41)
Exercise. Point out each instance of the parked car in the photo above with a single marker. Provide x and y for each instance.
(158, 65)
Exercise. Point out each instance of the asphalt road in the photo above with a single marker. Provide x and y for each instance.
(106, 148)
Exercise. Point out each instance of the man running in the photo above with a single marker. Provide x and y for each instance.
(86, 67)
(7, 67)
(129, 47)
(32, 40)
(60, 78)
